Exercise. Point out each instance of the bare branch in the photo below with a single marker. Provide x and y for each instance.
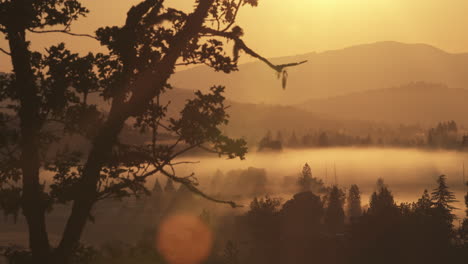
(240, 44)
(187, 183)
(64, 31)
(185, 162)
(6, 52)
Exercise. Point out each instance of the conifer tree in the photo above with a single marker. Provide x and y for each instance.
(305, 180)
(354, 202)
(466, 200)
(424, 204)
(334, 215)
(442, 198)
(157, 187)
(382, 203)
(169, 188)
(293, 141)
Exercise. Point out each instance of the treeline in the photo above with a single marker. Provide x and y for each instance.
(334, 228)
(319, 224)
(445, 135)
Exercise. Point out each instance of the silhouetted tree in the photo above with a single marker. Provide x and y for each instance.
(169, 187)
(443, 135)
(53, 88)
(442, 198)
(424, 204)
(155, 203)
(263, 225)
(464, 227)
(293, 141)
(354, 203)
(466, 200)
(305, 180)
(382, 204)
(216, 181)
(279, 136)
(334, 214)
(323, 140)
(231, 253)
(267, 142)
(301, 228)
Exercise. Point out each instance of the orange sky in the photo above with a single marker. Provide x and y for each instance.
(279, 27)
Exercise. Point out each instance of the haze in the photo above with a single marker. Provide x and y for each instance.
(307, 25)
(298, 131)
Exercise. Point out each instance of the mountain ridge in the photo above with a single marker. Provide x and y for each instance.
(337, 72)
(414, 103)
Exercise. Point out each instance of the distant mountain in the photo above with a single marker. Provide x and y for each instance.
(253, 120)
(333, 73)
(415, 103)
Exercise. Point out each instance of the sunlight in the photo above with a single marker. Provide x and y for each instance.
(184, 239)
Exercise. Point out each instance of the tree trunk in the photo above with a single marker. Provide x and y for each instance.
(99, 154)
(143, 91)
(33, 204)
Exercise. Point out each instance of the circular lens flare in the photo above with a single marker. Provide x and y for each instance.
(184, 239)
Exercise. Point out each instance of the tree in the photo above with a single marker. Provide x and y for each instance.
(466, 201)
(48, 92)
(305, 180)
(267, 142)
(293, 142)
(323, 140)
(442, 198)
(382, 204)
(262, 224)
(305, 209)
(301, 228)
(154, 203)
(334, 214)
(424, 204)
(279, 136)
(169, 188)
(157, 189)
(464, 228)
(354, 203)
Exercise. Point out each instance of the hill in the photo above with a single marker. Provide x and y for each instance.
(416, 103)
(253, 120)
(333, 73)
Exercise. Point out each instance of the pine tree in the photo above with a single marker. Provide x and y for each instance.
(466, 201)
(442, 198)
(424, 203)
(279, 136)
(334, 215)
(216, 181)
(382, 203)
(293, 141)
(464, 227)
(157, 189)
(354, 203)
(305, 180)
(169, 188)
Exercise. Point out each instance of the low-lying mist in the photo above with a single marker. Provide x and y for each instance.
(406, 171)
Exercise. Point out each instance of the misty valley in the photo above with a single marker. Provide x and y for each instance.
(233, 132)
(262, 175)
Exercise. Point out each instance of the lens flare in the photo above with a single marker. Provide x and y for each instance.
(184, 239)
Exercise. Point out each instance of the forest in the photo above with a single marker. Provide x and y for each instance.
(445, 135)
(181, 132)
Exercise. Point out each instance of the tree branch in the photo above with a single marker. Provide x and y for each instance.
(240, 44)
(6, 52)
(238, 7)
(187, 183)
(64, 31)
